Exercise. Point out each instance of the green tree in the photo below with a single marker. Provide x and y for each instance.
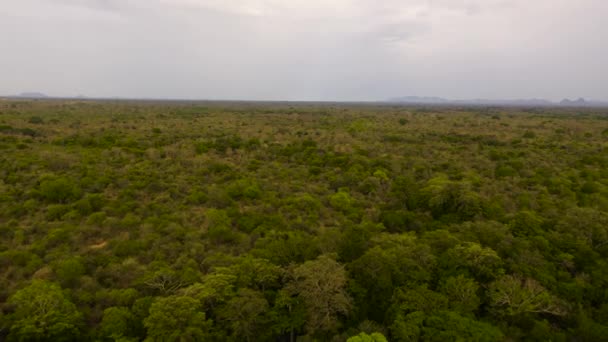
(165, 280)
(117, 324)
(246, 314)
(59, 190)
(395, 261)
(321, 285)
(444, 196)
(283, 248)
(421, 315)
(450, 326)
(589, 330)
(219, 226)
(288, 314)
(42, 312)
(69, 271)
(462, 294)
(176, 318)
(363, 337)
(481, 262)
(587, 225)
(512, 295)
(256, 273)
(420, 298)
(216, 288)
(526, 223)
(342, 201)
(356, 239)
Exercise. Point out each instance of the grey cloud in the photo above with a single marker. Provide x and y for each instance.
(313, 49)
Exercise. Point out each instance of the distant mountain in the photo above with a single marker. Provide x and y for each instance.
(486, 102)
(419, 99)
(581, 102)
(516, 102)
(33, 95)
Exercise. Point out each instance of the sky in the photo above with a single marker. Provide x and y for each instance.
(311, 50)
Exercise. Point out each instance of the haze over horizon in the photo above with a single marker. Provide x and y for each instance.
(342, 50)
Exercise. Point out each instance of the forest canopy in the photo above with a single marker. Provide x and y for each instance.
(201, 221)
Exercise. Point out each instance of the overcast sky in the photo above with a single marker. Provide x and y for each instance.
(305, 49)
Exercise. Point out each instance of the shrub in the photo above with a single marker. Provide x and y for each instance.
(59, 190)
(35, 120)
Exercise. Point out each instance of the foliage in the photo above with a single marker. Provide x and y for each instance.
(117, 323)
(42, 312)
(176, 318)
(363, 337)
(321, 285)
(511, 295)
(164, 221)
(58, 190)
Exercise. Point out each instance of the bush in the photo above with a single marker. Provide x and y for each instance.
(59, 190)
(341, 201)
(55, 212)
(69, 271)
(505, 171)
(35, 120)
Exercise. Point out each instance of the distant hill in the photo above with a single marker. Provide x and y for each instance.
(517, 102)
(439, 100)
(33, 95)
(486, 102)
(581, 102)
(419, 99)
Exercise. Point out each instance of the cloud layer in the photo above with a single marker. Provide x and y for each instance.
(305, 49)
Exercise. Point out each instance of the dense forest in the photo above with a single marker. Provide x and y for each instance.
(160, 221)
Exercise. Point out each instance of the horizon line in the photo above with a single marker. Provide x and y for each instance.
(389, 101)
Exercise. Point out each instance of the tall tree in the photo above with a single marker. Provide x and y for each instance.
(42, 312)
(176, 318)
(246, 314)
(321, 285)
(512, 295)
(363, 337)
(117, 323)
